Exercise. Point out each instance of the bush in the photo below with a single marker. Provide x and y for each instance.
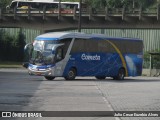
(155, 60)
(12, 47)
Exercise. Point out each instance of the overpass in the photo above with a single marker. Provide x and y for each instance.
(105, 18)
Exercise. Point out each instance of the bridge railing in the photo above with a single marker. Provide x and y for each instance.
(115, 10)
(94, 11)
(150, 11)
(33, 10)
(132, 11)
(88, 11)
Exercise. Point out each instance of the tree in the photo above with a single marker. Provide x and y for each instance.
(12, 47)
(114, 3)
(7, 48)
(70, 0)
(142, 3)
(96, 3)
(146, 3)
(4, 3)
(20, 46)
(120, 3)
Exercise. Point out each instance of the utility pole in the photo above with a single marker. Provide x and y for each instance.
(59, 10)
(133, 4)
(80, 13)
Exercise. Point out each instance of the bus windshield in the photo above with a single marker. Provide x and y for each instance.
(43, 52)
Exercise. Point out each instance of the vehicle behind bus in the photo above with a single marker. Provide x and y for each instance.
(22, 6)
(65, 54)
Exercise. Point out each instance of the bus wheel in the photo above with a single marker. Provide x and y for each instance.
(71, 74)
(121, 74)
(100, 77)
(49, 77)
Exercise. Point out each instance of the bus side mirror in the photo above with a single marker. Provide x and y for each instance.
(7, 7)
(27, 51)
(25, 64)
(26, 46)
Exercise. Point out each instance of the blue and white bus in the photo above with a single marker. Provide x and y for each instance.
(71, 54)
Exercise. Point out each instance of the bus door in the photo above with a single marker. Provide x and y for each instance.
(59, 60)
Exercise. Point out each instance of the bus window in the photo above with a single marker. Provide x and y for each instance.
(91, 46)
(130, 47)
(66, 43)
(104, 46)
(78, 46)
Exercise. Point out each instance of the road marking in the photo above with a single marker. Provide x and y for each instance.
(106, 101)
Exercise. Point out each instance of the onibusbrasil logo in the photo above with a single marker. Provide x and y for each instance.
(21, 114)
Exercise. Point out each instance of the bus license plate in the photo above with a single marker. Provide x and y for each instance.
(37, 73)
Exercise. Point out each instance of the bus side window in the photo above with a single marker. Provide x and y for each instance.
(65, 47)
(78, 46)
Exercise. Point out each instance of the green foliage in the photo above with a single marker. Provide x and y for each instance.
(114, 3)
(155, 60)
(70, 0)
(146, 62)
(4, 3)
(11, 46)
(97, 3)
(102, 3)
(20, 45)
(120, 3)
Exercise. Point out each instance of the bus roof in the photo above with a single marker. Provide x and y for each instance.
(62, 35)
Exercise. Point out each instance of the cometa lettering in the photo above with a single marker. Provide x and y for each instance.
(89, 57)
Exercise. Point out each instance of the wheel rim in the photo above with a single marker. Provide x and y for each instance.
(71, 74)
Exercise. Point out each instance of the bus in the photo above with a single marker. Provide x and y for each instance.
(50, 5)
(71, 54)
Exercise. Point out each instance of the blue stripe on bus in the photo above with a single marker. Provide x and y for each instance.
(110, 38)
(93, 38)
(42, 38)
(41, 67)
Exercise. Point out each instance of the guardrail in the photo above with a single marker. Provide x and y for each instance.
(89, 12)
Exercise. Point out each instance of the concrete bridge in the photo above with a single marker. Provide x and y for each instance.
(105, 18)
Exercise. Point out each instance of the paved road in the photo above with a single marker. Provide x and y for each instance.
(21, 92)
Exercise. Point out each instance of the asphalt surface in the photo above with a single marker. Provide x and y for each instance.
(21, 92)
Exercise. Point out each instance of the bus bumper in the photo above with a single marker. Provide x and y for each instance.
(40, 72)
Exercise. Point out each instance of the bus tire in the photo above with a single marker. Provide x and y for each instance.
(49, 77)
(100, 77)
(121, 74)
(71, 74)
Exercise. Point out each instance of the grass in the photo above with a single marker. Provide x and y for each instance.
(8, 64)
